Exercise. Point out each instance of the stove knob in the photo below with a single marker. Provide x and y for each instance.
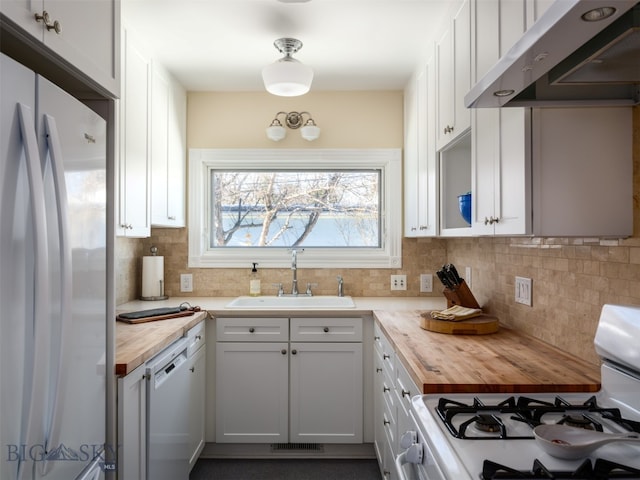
(408, 438)
(414, 453)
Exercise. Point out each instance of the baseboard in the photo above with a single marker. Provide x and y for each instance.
(265, 450)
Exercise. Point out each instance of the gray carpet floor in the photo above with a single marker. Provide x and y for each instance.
(285, 469)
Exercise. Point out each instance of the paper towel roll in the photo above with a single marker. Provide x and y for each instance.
(153, 278)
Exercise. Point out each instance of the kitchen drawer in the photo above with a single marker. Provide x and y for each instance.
(330, 329)
(252, 329)
(385, 351)
(389, 420)
(405, 388)
(196, 338)
(390, 398)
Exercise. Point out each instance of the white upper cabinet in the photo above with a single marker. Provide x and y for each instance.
(85, 34)
(453, 51)
(134, 168)
(500, 157)
(420, 192)
(168, 150)
(544, 171)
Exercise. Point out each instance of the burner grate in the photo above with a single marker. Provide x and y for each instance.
(601, 470)
(526, 410)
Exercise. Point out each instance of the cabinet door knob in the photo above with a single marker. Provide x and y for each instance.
(283, 351)
(294, 352)
(376, 338)
(251, 330)
(44, 18)
(386, 356)
(385, 389)
(192, 369)
(379, 370)
(326, 329)
(405, 393)
(386, 422)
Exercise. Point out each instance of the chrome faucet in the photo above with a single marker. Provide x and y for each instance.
(294, 269)
(340, 286)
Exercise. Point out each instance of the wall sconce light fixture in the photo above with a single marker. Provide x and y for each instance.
(293, 120)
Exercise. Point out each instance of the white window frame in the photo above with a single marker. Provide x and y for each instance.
(388, 160)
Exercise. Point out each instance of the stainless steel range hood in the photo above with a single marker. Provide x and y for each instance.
(563, 60)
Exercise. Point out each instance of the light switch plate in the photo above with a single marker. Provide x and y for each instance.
(426, 283)
(523, 290)
(186, 282)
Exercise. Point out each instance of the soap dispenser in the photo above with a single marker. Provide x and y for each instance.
(254, 283)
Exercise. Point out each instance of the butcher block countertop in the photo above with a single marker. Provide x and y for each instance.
(503, 362)
(506, 361)
(137, 343)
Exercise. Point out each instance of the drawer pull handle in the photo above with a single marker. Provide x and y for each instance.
(251, 330)
(386, 422)
(192, 369)
(385, 389)
(405, 393)
(326, 329)
(386, 356)
(378, 370)
(376, 338)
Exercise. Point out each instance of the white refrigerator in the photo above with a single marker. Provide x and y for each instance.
(53, 287)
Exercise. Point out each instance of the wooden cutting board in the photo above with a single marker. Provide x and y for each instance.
(481, 325)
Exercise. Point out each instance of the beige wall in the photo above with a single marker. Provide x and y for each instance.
(346, 119)
(572, 278)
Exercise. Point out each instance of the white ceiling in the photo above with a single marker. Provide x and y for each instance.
(222, 45)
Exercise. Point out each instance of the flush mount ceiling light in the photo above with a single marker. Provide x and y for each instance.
(293, 120)
(287, 77)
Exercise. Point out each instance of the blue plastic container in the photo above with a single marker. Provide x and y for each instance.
(464, 204)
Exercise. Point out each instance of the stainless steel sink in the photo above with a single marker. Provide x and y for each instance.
(288, 302)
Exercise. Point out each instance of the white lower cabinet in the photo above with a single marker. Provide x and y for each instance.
(252, 392)
(384, 405)
(132, 421)
(273, 388)
(197, 399)
(326, 393)
(393, 389)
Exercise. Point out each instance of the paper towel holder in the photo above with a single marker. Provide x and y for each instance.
(153, 276)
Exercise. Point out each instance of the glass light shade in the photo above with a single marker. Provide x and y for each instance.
(310, 132)
(287, 77)
(276, 132)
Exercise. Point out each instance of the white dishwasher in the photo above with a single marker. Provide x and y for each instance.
(167, 414)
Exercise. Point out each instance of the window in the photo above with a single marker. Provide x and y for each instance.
(343, 207)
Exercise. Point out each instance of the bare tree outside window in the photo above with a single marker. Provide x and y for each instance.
(286, 208)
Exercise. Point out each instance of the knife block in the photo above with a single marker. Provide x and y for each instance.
(460, 295)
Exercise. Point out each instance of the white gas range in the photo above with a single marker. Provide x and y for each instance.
(490, 436)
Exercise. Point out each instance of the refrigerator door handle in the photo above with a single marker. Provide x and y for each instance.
(36, 352)
(58, 372)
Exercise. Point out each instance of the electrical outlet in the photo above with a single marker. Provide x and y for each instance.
(524, 292)
(398, 282)
(426, 283)
(186, 282)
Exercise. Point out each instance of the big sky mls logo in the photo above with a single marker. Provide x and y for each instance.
(37, 453)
